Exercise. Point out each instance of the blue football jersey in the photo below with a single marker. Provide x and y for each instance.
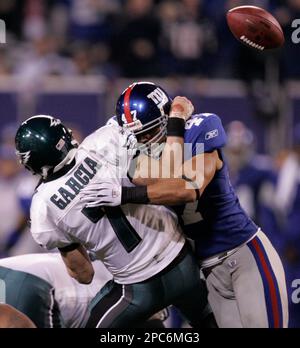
(216, 222)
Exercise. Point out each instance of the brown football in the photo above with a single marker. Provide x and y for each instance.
(255, 27)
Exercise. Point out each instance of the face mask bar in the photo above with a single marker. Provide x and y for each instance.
(150, 147)
(152, 124)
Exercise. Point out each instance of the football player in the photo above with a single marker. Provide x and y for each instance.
(142, 246)
(244, 274)
(39, 286)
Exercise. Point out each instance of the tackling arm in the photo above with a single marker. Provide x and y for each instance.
(183, 187)
(198, 172)
(205, 130)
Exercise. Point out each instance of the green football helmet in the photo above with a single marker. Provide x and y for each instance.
(44, 145)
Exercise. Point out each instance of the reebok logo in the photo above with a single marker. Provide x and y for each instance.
(212, 134)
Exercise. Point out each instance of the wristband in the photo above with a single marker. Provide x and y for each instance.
(136, 194)
(69, 248)
(175, 127)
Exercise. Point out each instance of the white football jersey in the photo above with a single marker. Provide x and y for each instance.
(73, 299)
(134, 242)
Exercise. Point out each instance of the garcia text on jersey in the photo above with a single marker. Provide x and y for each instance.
(81, 177)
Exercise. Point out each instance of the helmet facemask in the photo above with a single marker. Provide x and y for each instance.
(154, 146)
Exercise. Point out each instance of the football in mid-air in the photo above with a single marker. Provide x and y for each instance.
(255, 27)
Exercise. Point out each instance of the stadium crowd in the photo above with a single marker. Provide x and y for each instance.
(135, 38)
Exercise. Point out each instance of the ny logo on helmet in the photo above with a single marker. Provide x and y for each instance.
(24, 157)
(159, 98)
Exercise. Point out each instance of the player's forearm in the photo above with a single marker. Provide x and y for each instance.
(171, 192)
(83, 277)
(78, 264)
(172, 156)
(163, 192)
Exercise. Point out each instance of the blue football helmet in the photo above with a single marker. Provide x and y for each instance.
(143, 108)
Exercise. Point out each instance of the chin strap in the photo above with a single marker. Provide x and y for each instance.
(67, 160)
(46, 170)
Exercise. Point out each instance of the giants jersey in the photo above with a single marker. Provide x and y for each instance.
(73, 299)
(216, 222)
(134, 242)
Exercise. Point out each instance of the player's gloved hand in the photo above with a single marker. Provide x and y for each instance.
(181, 108)
(106, 193)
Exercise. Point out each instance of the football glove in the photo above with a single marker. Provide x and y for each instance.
(105, 193)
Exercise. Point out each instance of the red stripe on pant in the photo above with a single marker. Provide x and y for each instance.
(274, 299)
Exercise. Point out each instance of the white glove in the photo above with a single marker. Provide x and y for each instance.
(105, 193)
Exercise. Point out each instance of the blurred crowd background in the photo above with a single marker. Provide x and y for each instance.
(72, 58)
(135, 38)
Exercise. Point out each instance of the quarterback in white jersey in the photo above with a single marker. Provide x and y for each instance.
(59, 218)
(142, 247)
